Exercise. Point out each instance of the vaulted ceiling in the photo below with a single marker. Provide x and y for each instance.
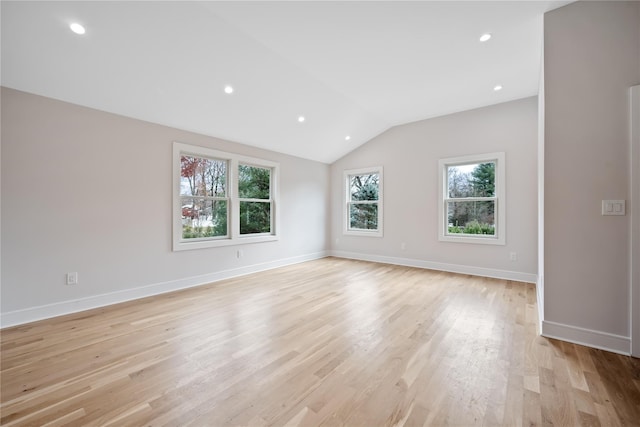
(351, 69)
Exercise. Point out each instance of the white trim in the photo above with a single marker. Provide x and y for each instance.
(346, 200)
(541, 140)
(453, 268)
(540, 302)
(500, 193)
(587, 337)
(32, 314)
(634, 226)
(234, 237)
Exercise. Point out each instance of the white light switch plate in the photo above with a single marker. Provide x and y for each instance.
(613, 207)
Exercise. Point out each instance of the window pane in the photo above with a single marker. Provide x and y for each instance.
(255, 217)
(203, 218)
(471, 217)
(364, 187)
(363, 216)
(202, 177)
(254, 182)
(473, 180)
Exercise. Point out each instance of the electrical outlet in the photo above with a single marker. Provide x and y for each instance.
(72, 278)
(403, 246)
(513, 256)
(239, 253)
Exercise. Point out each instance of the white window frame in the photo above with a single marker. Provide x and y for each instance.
(270, 200)
(233, 220)
(347, 201)
(499, 238)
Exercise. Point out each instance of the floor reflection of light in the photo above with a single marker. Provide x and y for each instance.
(251, 318)
(364, 305)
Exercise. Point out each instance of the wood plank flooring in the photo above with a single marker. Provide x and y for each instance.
(331, 342)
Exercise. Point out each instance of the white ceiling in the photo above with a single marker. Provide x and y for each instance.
(351, 68)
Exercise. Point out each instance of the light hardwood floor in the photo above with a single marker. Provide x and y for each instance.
(330, 342)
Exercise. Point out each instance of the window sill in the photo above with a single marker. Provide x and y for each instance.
(473, 240)
(217, 243)
(372, 233)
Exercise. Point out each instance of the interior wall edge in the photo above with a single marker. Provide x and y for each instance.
(540, 301)
(634, 241)
(43, 312)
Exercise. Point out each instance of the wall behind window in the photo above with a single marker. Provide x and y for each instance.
(88, 191)
(409, 154)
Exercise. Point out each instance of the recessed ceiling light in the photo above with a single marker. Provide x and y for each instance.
(77, 28)
(497, 87)
(485, 37)
(228, 89)
(346, 138)
(301, 119)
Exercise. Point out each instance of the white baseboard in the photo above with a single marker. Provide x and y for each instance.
(596, 339)
(588, 337)
(453, 268)
(32, 314)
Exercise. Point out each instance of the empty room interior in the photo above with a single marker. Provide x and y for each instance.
(320, 213)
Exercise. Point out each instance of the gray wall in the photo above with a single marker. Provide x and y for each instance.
(591, 58)
(410, 154)
(88, 191)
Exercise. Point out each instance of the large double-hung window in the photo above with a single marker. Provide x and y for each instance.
(222, 198)
(255, 198)
(472, 202)
(204, 201)
(363, 202)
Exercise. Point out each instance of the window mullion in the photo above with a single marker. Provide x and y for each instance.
(241, 199)
(470, 199)
(234, 203)
(204, 197)
(363, 202)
